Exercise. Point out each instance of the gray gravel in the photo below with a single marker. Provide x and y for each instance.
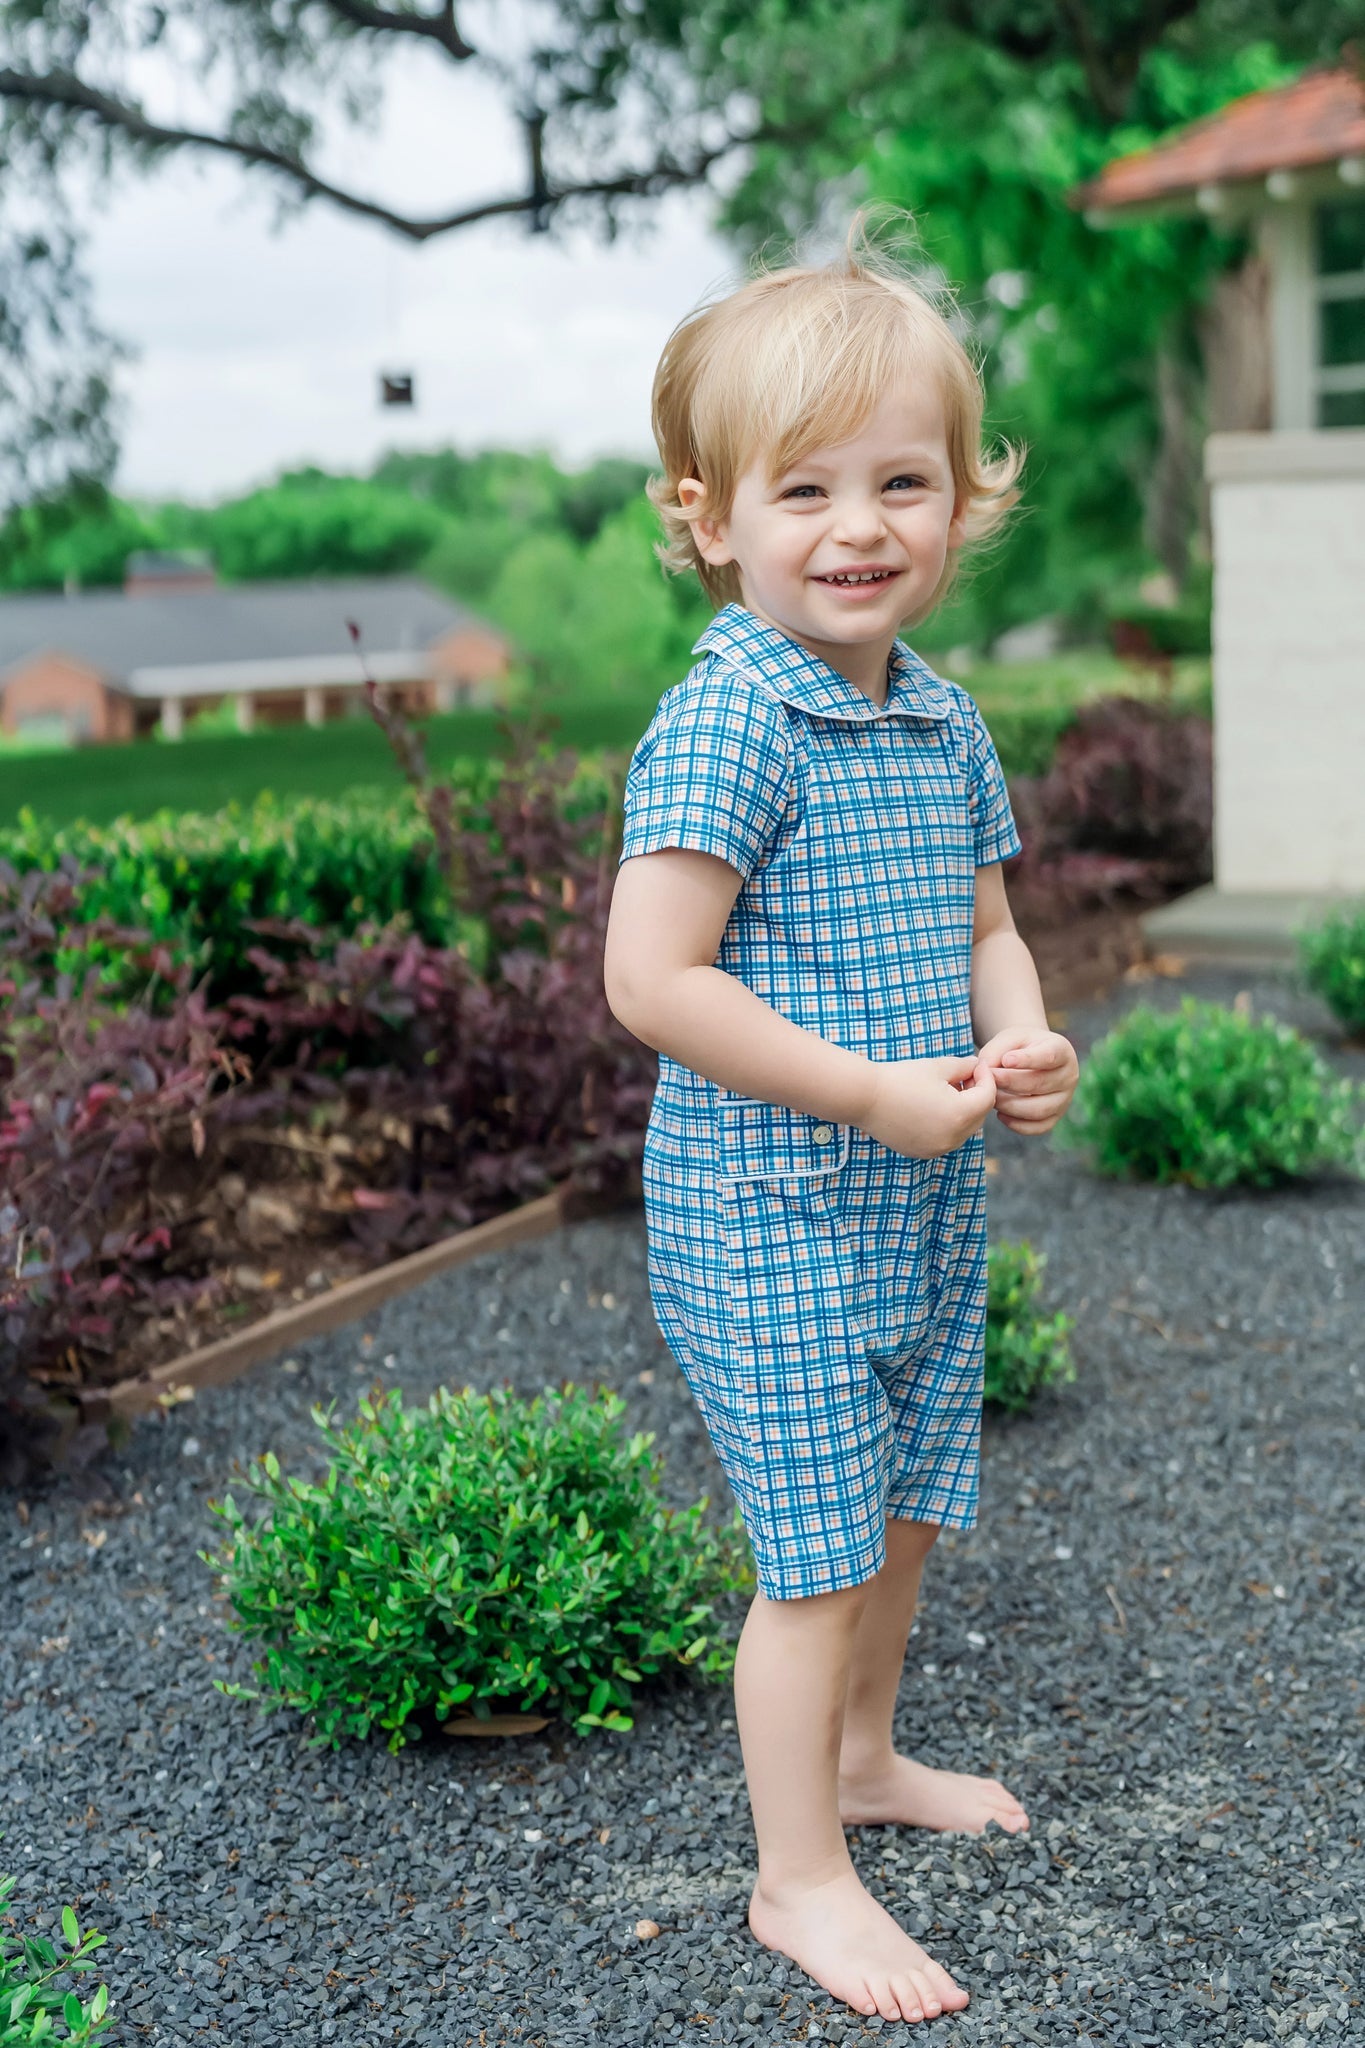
(1155, 1636)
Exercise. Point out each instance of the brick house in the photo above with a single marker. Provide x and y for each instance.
(1287, 490)
(103, 665)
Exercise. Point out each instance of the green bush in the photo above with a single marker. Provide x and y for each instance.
(1026, 735)
(513, 1554)
(198, 882)
(1332, 960)
(1213, 1097)
(1025, 1349)
(33, 2006)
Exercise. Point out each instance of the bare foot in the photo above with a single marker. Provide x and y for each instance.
(839, 1935)
(915, 1796)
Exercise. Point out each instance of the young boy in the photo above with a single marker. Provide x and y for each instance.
(810, 927)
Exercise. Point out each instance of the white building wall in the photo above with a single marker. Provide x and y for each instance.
(1289, 660)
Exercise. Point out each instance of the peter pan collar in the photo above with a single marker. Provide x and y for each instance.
(811, 685)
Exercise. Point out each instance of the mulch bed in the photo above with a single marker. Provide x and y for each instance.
(1154, 1636)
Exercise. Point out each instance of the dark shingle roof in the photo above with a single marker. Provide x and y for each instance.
(116, 634)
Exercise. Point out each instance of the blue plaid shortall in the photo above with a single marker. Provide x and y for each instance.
(823, 1295)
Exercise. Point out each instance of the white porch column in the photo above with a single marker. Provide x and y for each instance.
(172, 718)
(245, 706)
(1286, 231)
(315, 706)
(1288, 660)
(444, 693)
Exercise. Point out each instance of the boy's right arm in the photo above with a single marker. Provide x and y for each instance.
(668, 915)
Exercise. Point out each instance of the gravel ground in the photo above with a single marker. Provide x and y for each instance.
(1155, 1636)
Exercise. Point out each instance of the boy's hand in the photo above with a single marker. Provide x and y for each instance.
(927, 1107)
(1035, 1074)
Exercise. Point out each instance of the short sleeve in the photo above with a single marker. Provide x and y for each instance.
(712, 774)
(993, 828)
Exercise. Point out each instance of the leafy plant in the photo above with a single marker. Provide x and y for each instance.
(1126, 807)
(1213, 1097)
(1026, 1350)
(34, 2008)
(1332, 961)
(485, 1549)
(104, 1142)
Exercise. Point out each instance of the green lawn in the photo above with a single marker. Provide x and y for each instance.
(98, 784)
(1025, 701)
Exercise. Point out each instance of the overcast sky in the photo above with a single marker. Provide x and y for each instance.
(260, 347)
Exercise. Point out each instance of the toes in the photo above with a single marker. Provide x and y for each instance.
(906, 1999)
(888, 2003)
(949, 1995)
(927, 1997)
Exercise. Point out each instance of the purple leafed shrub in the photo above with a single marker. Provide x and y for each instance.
(494, 1068)
(103, 1140)
(435, 1084)
(1126, 808)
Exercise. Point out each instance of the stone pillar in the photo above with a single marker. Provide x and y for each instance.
(315, 706)
(172, 718)
(1286, 237)
(1288, 660)
(246, 711)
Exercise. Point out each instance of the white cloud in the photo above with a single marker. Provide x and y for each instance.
(261, 347)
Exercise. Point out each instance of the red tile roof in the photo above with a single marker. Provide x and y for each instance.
(1313, 120)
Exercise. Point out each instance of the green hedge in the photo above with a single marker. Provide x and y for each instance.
(197, 881)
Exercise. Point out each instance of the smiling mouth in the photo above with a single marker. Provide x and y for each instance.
(845, 581)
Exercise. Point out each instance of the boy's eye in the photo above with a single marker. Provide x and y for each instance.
(802, 491)
(906, 483)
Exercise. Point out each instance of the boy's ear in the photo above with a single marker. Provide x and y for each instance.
(708, 533)
(957, 525)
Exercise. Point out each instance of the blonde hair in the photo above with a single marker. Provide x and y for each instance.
(798, 359)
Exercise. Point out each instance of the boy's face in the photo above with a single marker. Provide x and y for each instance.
(844, 546)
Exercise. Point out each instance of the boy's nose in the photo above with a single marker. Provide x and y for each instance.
(860, 525)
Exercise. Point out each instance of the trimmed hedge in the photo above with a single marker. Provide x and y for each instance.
(197, 883)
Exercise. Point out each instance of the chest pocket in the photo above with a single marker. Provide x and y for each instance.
(762, 1141)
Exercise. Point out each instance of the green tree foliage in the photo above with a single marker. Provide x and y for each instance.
(981, 118)
(310, 524)
(1076, 325)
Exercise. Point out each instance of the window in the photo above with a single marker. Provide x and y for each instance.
(1341, 314)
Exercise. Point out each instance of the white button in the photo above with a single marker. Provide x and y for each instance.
(822, 1134)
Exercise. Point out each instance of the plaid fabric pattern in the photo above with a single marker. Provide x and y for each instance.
(824, 1296)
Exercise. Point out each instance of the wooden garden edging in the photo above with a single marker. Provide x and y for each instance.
(215, 1364)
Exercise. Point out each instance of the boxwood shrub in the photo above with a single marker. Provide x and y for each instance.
(1026, 1349)
(483, 1553)
(1332, 961)
(1214, 1097)
(37, 2001)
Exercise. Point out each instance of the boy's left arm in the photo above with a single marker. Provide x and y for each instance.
(1035, 1069)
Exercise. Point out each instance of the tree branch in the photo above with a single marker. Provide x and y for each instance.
(438, 28)
(63, 89)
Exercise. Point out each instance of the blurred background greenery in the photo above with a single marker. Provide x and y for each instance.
(1104, 350)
